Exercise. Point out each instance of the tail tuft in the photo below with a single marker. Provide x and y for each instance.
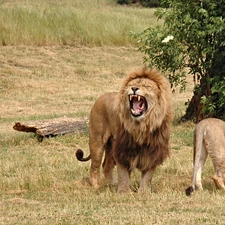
(189, 190)
(80, 155)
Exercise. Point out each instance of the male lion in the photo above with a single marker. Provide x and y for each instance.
(132, 127)
(209, 138)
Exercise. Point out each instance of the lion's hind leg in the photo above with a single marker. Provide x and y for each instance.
(109, 164)
(96, 159)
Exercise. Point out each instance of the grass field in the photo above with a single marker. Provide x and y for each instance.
(73, 23)
(43, 183)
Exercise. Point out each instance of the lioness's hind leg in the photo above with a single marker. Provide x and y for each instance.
(218, 178)
(200, 159)
(218, 181)
(219, 167)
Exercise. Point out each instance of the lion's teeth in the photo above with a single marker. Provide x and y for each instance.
(139, 98)
(130, 97)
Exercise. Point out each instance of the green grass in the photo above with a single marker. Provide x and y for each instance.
(73, 23)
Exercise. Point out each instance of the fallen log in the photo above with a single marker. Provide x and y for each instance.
(53, 127)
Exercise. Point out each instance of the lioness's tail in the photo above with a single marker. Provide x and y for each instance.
(198, 141)
(80, 156)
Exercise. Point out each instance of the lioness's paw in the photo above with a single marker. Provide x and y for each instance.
(218, 182)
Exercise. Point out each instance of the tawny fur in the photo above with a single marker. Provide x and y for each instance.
(209, 139)
(131, 142)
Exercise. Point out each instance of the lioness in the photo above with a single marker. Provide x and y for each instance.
(209, 138)
(132, 127)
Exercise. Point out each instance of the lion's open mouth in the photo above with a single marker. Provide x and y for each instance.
(138, 105)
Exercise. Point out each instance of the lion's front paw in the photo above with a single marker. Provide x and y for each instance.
(123, 189)
(113, 182)
(94, 183)
(144, 189)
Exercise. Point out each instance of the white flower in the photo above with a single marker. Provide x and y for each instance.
(167, 39)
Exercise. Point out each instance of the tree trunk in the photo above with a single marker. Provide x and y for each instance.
(194, 108)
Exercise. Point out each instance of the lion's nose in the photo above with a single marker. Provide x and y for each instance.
(134, 89)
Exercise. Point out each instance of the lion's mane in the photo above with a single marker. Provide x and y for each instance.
(144, 143)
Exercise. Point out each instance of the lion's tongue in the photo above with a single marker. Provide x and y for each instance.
(138, 106)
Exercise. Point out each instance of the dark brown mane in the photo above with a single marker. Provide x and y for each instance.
(146, 156)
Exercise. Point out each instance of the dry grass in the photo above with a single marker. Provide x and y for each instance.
(42, 183)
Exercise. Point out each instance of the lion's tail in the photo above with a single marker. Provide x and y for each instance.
(80, 156)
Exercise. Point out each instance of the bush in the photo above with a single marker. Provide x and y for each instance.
(192, 37)
(145, 3)
(125, 2)
(150, 3)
